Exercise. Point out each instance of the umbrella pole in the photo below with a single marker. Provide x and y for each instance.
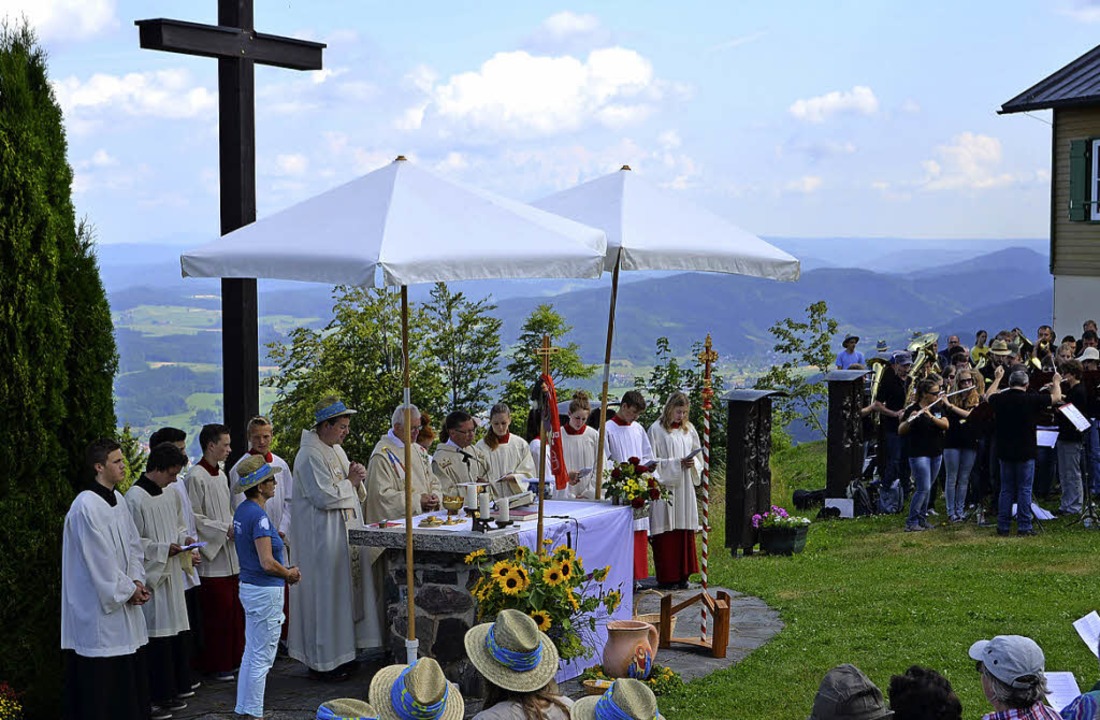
(606, 377)
(411, 643)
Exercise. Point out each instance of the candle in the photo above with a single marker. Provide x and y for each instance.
(471, 496)
(484, 506)
(504, 510)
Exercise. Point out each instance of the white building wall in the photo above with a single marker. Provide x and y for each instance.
(1076, 299)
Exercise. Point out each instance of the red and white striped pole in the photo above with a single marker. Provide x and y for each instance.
(708, 356)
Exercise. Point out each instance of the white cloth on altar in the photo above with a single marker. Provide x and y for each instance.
(190, 573)
(625, 442)
(336, 607)
(159, 522)
(278, 507)
(454, 465)
(682, 511)
(386, 480)
(100, 560)
(213, 518)
(512, 457)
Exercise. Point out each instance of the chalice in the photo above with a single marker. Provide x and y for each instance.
(453, 503)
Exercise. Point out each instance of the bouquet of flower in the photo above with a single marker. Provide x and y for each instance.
(11, 708)
(633, 484)
(777, 517)
(661, 680)
(552, 587)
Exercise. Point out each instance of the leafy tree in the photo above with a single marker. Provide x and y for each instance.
(805, 348)
(526, 365)
(135, 456)
(465, 339)
(56, 338)
(357, 356)
(668, 376)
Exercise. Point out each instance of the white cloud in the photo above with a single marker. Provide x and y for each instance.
(567, 23)
(806, 184)
(63, 19)
(291, 164)
(519, 94)
(568, 32)
(910, 106)
(1086, 11)
(736, 42)
(970, 162)
(162, 94)
(859, 100)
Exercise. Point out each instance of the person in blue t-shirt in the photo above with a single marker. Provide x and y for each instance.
(263, 575)
(850, 356)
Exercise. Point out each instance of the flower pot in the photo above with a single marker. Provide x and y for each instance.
(783, 541)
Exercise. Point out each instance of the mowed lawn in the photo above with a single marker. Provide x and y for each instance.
(868, 593)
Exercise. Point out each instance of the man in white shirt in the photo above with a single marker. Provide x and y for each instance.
(457, 461)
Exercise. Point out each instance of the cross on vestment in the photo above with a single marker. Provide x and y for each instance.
(237, 47)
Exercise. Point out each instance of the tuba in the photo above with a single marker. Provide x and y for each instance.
(878, 366)
(924, 360)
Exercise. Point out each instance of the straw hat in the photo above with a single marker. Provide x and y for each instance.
(625, 697)
(512, 652)
(421, 690)
(999, 347)
(330, 407)
(253, 471)
(346, 709)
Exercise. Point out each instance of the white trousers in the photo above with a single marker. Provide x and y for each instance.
(263, 620)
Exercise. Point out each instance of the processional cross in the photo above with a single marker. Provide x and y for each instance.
(237, 47)
(544, 352)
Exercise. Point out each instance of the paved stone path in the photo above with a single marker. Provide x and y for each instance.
(292, 695)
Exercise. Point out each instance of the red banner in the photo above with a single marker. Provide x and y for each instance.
(553, 425)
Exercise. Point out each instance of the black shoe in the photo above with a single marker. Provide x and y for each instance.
(682, 585)
(174, 705)
(159, 713)
(1026, 532)
(337, 675)
(1002, 533)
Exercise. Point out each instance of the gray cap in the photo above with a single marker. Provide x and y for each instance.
(847, 694)
(902, 357)
(1009, 658)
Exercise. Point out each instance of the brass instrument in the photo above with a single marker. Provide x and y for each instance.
(1026, 346)
(878, 366)
(924, 360)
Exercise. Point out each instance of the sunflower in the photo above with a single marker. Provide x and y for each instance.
(472, 557)
(502, 568)
(547, 541)
(522, 573)
(573, 602)
(612, 600)
(542, 619)
(565, 553)
(553, 575)
(512, 584)
(566, 569)
(601, 574)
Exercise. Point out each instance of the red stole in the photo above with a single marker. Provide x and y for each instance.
(557, 455)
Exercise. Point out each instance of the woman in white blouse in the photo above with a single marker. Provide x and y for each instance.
(673, 522)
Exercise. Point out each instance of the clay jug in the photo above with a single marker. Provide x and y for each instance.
(631, 647)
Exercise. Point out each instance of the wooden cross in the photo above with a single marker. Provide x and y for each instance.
(544, 351)
(238, 47)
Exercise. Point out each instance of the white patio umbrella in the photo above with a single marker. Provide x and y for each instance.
(414, 227)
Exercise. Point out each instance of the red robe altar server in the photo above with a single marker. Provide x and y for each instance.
(220, 605)
(626, 439)
(673, 522)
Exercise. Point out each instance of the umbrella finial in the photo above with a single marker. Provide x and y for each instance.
(624, 167)
(400, 158)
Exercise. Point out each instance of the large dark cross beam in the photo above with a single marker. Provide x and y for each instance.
(238, 47)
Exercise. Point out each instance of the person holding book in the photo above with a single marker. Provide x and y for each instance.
(673, 522)
(509, 458)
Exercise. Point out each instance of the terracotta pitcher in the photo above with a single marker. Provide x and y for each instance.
(631, 647)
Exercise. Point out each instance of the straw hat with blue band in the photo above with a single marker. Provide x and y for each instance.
(415, 692)
(346, 709)
(253, 471)
(626, 699)
(512, 652)
(329, 408)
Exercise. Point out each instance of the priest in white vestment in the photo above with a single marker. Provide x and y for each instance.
(457, 461)
(103, 630)
(336, 609)
(386, 473)
(158, 517)
(508, 455)
(673, 522)
(627, 439)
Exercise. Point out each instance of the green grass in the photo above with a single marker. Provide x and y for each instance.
(867, 593)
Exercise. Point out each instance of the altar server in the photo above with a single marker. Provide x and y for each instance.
(386, 473)
(627, 439)
(260, 434)
(508, 455)
(102, 589)
(673, 522)
(158, 517)
(222, 615)
(458, 461)
(335, 609)
(580, 443)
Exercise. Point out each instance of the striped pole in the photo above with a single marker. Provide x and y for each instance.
(708, 356)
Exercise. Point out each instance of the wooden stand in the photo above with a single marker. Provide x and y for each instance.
(719, 610)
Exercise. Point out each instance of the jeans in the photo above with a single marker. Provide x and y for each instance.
(1069, 474)
(1092, 441)
(958, 463)
(923, 469)
(892, 453)
(263, 620)
(1016, 480)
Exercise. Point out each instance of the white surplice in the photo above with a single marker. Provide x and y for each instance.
(190, 572)
(454, 465)
(159, 522)
(336, 608)
(580, 454)
(100, 560)
(278, 507)
(682, 511)
(625, 442)
(386, 479)
(511, 457)
(213, 517)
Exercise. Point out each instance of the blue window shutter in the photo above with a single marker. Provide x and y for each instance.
(1079, 185)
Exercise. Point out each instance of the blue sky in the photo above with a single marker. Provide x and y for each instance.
(796, 118)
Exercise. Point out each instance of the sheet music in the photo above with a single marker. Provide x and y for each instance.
(1063, 689)
(1046, 438)
(1088, 627)
(1074, 416)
